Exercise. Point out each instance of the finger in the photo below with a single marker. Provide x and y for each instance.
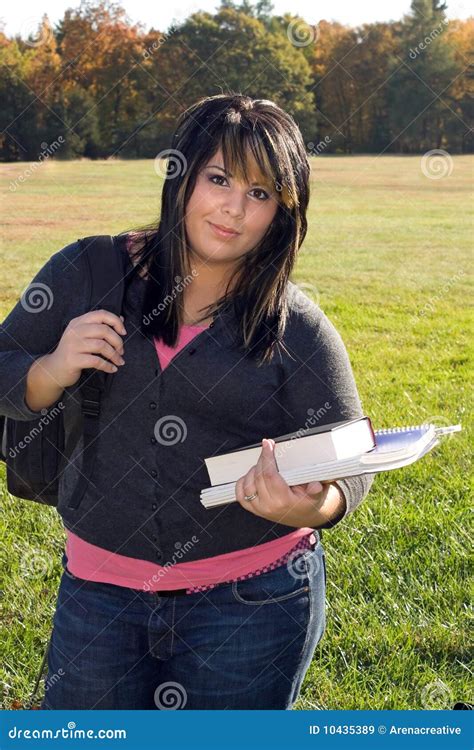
(265, 475)
(266, 463)
(100, 346)
(246, 481)
(101, 331)
(104, 316)
(274, 484)
(91, 361)
(240, 493)
(249, 486)
(245, 485)
(314, 487)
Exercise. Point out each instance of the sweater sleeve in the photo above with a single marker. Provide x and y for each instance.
(35, 325)
(319, 388)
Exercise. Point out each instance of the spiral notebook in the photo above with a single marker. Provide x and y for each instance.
(395, 447)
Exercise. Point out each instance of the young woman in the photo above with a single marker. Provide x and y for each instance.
(164, 604)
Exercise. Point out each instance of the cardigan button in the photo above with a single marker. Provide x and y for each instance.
(158, 554)
(153, 440)
(154, 473)
(154, 507)
(152, 405)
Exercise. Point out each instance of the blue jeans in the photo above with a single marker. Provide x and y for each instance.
(241, 645)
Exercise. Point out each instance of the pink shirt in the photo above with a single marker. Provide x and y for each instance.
(92, 563)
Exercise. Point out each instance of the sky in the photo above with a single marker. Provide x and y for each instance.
(23, 17)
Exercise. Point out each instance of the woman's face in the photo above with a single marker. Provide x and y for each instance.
(218, 199)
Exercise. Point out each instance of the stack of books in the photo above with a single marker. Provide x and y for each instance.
(331, 452)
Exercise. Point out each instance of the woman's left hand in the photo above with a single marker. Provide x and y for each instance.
(296, 506)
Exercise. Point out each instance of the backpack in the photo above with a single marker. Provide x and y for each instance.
(34, 472)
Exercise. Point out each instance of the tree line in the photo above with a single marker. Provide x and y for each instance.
(97, 85)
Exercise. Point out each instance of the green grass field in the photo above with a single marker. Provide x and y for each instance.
(387, 256)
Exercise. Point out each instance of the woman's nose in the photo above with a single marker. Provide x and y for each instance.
(234, 203)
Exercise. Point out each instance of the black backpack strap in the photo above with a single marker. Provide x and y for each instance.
(106, 270)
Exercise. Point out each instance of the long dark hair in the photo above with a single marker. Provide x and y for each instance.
(235, 123)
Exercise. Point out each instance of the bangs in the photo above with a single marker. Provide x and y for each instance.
(244, 149)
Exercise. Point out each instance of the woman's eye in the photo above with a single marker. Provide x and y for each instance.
(264, 194)
(218, 177)
(212, 177)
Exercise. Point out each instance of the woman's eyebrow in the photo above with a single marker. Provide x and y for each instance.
(262, 182)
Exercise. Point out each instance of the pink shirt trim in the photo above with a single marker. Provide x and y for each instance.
(96, 564)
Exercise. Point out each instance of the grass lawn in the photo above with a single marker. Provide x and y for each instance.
(387, 256)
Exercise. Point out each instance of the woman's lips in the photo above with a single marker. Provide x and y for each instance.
(222, 233)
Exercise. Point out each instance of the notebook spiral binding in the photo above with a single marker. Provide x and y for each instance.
(392, 430)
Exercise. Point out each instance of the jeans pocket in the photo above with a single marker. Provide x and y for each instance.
(280, 584)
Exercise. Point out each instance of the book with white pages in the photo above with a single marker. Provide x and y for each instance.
(395, 447)
(331, 442)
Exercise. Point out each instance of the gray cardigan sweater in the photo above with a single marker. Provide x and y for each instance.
(156, 427)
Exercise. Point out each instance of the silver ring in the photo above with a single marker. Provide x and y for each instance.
(250, 497)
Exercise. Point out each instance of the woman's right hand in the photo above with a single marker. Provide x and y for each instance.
(92, 341)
